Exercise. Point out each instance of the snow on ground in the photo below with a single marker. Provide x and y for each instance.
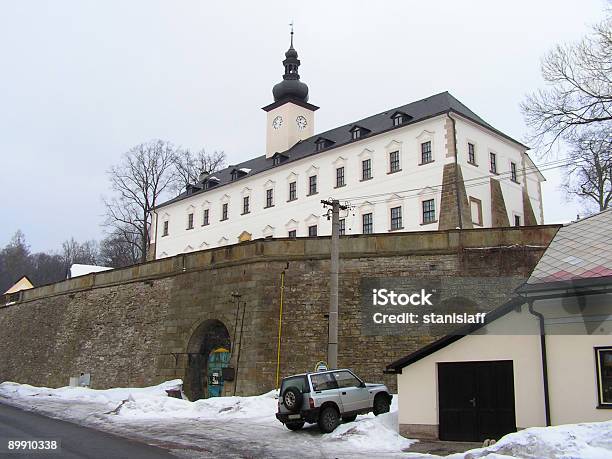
(584, 441)
(149, 412)
(235, 426)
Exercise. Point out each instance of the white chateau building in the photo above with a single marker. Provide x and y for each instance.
(432, 164)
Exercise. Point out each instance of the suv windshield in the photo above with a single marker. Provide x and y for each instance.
(295, 381)
(323, 381)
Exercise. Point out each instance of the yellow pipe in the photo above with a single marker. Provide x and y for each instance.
(280, 328)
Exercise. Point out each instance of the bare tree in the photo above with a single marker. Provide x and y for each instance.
(190, 165)
(145, 173)
(579, 89)
(120, 248)
(85, 253)
(589, 171)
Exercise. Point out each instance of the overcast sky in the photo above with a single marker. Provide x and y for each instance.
(83, 81)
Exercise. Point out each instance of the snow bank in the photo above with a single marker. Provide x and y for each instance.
(142, 406)
(584, 441)
(15, 390)
(371, 433)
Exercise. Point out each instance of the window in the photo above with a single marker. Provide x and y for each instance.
(426, 156)
(476, 211)
(366, 169)
(292, 233)
(397, 120)
(394, 161)
(513, 175)
(312, 185)
(165, 232)
(292, 191)
(270, 198)
(396, 218)
(367, 223)
(603, 356)
(312, 231)
(342, 228)
(471, 153)
(339, 177)
(276, 160)
(190, 221)
(345, 379)
(224, 211)
(323, 381)
(234, 175)
(517, 220)
(245, 205)
(429, 211)
(205, 220)
(356, 134)
(320, 145)
(493, 161)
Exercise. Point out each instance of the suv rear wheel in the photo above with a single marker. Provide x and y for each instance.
(292, 399)
(328, 419)
(381, 404)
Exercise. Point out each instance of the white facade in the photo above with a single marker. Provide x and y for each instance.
(406, 188)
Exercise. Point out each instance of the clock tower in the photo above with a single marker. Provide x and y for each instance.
(290, 118)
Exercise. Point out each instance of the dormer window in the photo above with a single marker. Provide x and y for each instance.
(234, 174)
(278, 158)
(322, 143)
(358, 132)
(212, 181)
(399, 118)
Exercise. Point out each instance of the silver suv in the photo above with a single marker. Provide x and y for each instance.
(325, 397)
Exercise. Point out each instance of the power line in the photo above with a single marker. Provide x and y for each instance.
(483, 180)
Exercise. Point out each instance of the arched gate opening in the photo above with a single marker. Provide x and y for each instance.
(208, 350)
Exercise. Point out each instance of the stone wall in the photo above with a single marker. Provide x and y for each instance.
(144, 324)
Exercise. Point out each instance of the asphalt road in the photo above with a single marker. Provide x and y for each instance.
(75, 441)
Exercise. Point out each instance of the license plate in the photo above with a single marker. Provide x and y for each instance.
(294, 416)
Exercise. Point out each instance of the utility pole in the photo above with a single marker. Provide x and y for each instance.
(332, 334)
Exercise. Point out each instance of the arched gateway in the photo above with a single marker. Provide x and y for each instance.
(208, 340)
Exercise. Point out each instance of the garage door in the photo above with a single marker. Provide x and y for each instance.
(476, 400)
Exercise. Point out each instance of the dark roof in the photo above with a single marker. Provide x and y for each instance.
(396, 367)
(420, 110)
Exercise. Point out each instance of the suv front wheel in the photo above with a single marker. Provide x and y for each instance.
(381, 404)
(328, 419)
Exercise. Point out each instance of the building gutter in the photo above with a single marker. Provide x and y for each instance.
(544, 363)
(457, 194)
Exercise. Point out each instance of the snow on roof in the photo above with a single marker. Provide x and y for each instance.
(81, 270)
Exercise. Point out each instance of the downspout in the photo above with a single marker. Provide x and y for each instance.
(155, 248)
(544, 364)
(457, 194)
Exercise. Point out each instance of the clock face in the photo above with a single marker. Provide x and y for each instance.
(301, 122)
(277, 122)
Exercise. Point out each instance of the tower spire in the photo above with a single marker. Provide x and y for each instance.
(291, 25)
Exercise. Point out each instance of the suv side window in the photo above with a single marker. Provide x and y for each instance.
(323, 381)
(346, 379)
(297, 381)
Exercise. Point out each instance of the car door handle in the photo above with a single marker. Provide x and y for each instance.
(343, 393)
